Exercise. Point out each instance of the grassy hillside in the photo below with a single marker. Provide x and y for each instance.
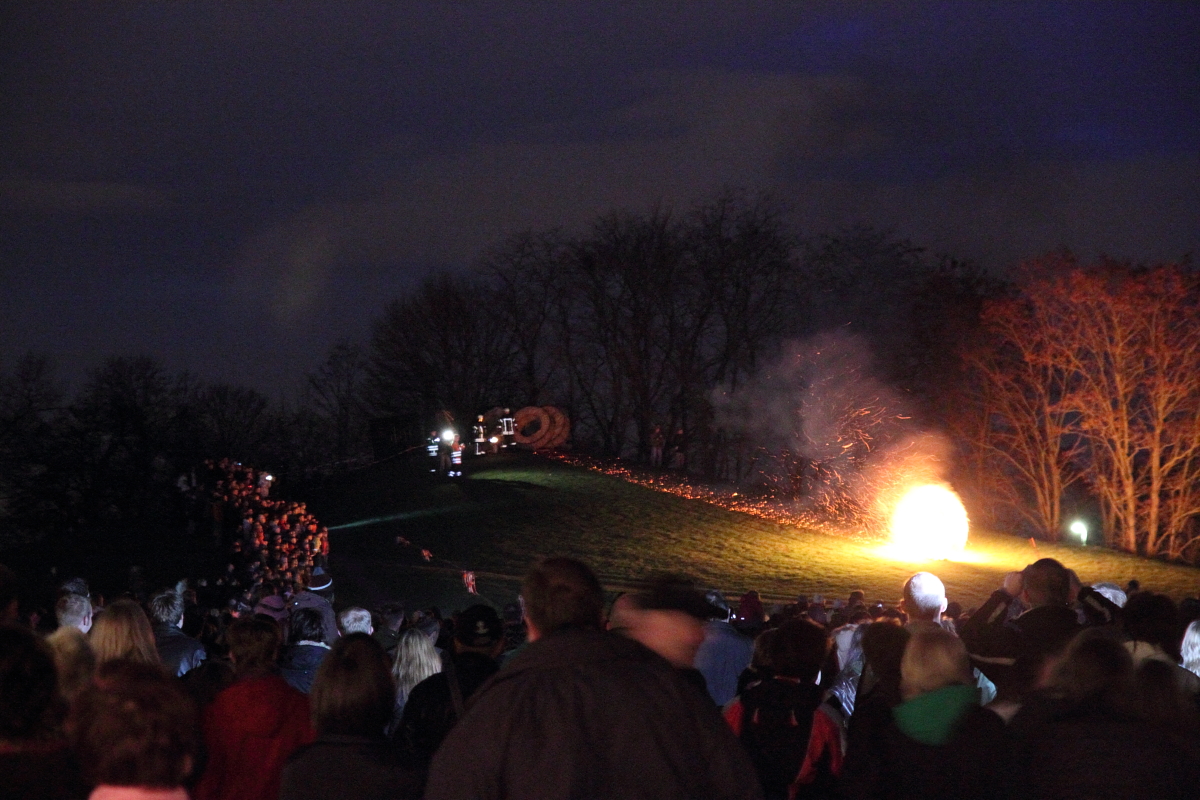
(514, 509)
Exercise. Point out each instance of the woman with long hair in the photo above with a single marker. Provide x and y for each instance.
(122, 631)
(351, 701)
(416, 660)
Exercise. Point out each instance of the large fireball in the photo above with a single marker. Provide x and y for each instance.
(930, 522)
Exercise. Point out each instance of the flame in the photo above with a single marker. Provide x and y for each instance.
(929, 523)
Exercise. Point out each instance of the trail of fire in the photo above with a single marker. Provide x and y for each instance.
(827, 518)
(927, 522)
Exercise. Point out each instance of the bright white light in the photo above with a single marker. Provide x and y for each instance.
(1079, 528)
(930, 522)
(447, 435)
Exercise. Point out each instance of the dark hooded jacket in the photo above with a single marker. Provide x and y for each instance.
(581, 713)
(299, 665)
(938, 746)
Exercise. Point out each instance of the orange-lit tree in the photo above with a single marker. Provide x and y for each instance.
(1025, 441)
(1098, 368)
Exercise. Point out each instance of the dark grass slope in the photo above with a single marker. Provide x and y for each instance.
(512, 509)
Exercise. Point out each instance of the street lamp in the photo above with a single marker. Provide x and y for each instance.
(1079, 529)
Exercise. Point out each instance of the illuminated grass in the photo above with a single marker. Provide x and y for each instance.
(515, 510)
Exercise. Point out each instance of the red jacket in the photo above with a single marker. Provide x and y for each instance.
(250, 729)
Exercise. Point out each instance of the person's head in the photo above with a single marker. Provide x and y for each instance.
(122, 631)
(561, 593)
(933, 659)
(799, 649)
(306, 625)
(75, 586)
(429, 626)
(718, 601)
(750, 608)
(166, 608)
(74, 661)
(253, 644)
(1046, 582)
(352, 694)
(479, 630)
(1112, 592)
(8, 595)
(1190, 648)
(924, 597)
(764, 651)
(134, 726)
(392, 615)
(1095, 664)
(415, 660)
(667, 616)
(319, 582)
(1153, 618)
(883, 646)
(29, 706)
(74, 611)
(356, 620)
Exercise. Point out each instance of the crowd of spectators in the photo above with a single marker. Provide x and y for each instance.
(274, 546)
(1049, 689)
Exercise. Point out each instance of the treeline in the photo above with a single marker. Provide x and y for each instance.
(1070, 390)
(640, 320)
(111, 454)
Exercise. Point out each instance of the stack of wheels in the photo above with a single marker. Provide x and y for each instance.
(541, 428)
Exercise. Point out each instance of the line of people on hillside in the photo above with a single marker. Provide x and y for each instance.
(273, 542)
(1049, 689)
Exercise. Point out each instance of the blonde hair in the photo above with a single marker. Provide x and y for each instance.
(415, 661)
(74, 660)
(122, 631)
(933, 659)
(1190, 649)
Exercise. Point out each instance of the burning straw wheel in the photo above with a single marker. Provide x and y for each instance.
(541, 428)
(560, 427)
(530, 426)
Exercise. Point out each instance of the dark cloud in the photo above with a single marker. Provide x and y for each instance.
(234, 186)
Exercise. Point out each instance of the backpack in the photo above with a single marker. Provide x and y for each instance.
(777, 719)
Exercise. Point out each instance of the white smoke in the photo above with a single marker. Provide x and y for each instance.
(830, 435)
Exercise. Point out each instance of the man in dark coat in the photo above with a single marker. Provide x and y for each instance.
(1011, 652)
(179, 652)
(584, 713)
(308, 649)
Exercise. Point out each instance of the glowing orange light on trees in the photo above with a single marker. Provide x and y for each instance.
(930, 522)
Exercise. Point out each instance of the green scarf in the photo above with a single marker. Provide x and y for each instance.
(930, 718)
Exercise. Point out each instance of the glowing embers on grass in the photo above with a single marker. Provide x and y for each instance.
(928, 523)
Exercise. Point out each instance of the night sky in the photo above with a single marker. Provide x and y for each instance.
(232, 187)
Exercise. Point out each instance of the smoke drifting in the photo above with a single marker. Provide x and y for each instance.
(830, 436)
